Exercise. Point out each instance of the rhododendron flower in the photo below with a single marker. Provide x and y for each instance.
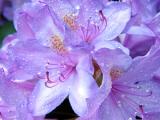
(81, 23)
(74, 49)
(134, 93)
(48, 50)
(14, 94)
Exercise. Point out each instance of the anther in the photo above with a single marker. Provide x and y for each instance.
(70, 21)
(57, 44)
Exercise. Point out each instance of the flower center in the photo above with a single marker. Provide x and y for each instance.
(70, 21)
(58, 44)
(57, 72)
(115, 73)
(89, 31)
(93, 29)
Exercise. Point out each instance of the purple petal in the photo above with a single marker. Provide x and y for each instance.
(89, 10)
(100, 44)
(45, 99)
(152, 116)
(138, 45)
(83, 87)
(144, 8)
(117, 15)
(154, 24)
(108, 58)
(7, 112)
(26, 54)
(15, 96)
(41, 23)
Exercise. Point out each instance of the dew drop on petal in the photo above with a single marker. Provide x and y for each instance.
(77, 7)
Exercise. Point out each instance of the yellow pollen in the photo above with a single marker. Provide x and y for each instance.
(115, 73)
(70, 21)
(57, 44)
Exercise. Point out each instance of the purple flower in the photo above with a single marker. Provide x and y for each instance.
(134, 92)
(79, 22)
(57, 68)
(57, 73)
(56, 48)
(15, 94)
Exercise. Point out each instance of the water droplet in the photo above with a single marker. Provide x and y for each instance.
(96, 10)
(119, 103)
(58, 72)
(138, 87)
(130, 118)
(102, 64)
(69, 48)
(77, 7)
(92, 52)
(122, 95)
(64, 66)
(147, 90)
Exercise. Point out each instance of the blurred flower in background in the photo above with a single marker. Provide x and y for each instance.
(7, 8)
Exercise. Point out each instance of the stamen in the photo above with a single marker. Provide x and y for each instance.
(102, 17)
(141, 108)
(92, 30)
(126, 100)
(114, 99)
(64, 72)
(123, 93)
(57, 44)
(70, 21)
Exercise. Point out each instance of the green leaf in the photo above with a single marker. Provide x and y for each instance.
(6, 29)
